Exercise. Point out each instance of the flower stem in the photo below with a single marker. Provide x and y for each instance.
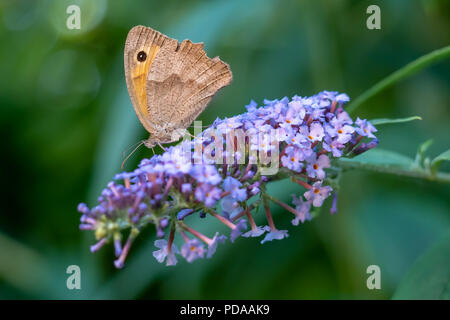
(197, 234)
(333, 106)
(171, 237)
(250, 219)
(269, 217)
(302, 183)
(282, 204)
(222, 219)
(119, 263)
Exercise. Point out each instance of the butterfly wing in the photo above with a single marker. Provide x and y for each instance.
(181, 82)
(141, 47)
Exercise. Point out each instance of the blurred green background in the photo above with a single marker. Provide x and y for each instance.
(66, 120)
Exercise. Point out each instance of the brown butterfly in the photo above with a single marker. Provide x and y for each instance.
(169, 83)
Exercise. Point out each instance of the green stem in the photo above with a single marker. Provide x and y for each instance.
(408, 70)
(416, 173)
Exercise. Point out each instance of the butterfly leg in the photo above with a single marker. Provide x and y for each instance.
(190, 134)
(164, 149)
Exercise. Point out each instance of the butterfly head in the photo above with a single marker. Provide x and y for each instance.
(154, 140)
(158, 140)
(150, 142)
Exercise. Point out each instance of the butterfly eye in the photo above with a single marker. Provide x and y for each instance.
(141, 56)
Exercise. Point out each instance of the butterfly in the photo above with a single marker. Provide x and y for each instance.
(169, 83)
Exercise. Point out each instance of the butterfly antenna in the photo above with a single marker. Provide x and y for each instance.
(129, 155)
(133, 146)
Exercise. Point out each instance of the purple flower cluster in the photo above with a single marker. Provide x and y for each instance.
(222, 173)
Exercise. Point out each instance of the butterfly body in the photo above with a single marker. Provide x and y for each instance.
(169, 83)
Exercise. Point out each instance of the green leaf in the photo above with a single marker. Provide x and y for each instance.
(420, 156)
(424, 147)
(390, 162)
(444, 156)
(407, 71)
(380, 157)
(429, 277)
(387, 121)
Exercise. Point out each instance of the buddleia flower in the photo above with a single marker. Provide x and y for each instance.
(301, 137)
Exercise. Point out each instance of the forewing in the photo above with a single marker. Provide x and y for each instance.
(141, 39)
